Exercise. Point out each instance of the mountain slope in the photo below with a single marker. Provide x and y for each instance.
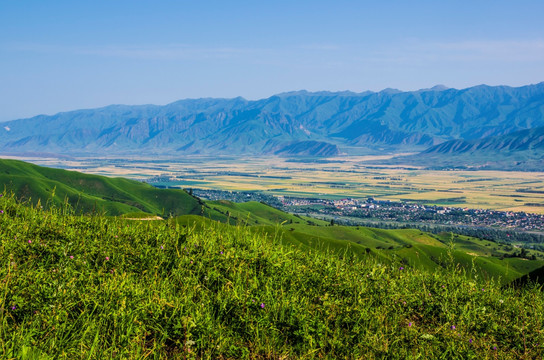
(521, 150)
(366, 122)
(100, 288)
(87, 193)
(524, 140)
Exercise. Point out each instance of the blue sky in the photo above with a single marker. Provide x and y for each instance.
(64, 55)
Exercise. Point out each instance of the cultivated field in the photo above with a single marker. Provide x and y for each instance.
(329, 178)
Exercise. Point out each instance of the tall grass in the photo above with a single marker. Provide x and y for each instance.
(93, 287)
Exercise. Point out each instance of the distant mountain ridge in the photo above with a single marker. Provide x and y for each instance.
(520, 151)
(524, 140)
(288, 124)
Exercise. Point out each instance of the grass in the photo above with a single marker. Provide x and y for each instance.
(87, 193)
(96, 287)
(415, 248)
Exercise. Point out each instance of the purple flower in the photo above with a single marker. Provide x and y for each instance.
(483, 289)
(71, 256)
(401, 268)
(221, 253)
(453, 327)
(262, 305)
(107, 258)
(30, 241)
(1, 211)
(13, 307)
(162, 247)
(409, 324)
(470, 341)
(494, 348)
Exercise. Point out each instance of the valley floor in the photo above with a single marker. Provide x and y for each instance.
(332, 178)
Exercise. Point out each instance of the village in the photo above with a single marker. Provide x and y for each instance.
(390, 211)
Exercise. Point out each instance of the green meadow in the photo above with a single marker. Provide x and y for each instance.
(98, 287)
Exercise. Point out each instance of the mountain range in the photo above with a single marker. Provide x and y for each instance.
(521, 150)
(291, 124)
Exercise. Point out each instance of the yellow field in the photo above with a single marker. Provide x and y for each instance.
(337, 177)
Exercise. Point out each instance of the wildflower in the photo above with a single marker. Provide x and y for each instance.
(262, 305)
(453, 327)
(401, 268)
(470, 341)
(162, 247)
(501, 301)
(107, 258)
(494, 348)
(30, 241)
(483, 289)
(409, 324)
(13, 307)
(221, 253)
(71, 256)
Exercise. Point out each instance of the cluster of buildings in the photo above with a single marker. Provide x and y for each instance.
(413, 212)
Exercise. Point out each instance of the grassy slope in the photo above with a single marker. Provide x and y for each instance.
(77, 287)
(254, 213)
(87, 193)
(122, 196)
(413, 248)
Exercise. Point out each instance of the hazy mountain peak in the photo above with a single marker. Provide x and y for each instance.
(390, 91)
(437, 88)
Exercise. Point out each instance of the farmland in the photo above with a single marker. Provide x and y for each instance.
(331, 178)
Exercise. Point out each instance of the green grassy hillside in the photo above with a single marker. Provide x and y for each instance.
(88, 193)
(416, 249)
(413, 248)
(255, 213)
(96, 287)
